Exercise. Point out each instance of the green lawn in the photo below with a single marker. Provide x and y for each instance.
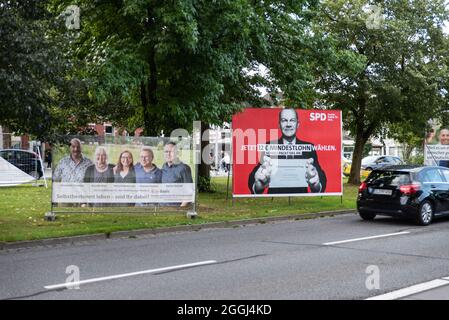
(22, 212)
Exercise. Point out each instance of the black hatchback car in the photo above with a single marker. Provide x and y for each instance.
(26, 161)
(417, 192)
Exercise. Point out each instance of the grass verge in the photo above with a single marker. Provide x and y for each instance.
(22, 212)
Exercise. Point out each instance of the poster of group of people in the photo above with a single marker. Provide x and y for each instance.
(135, 171)
(436, 151)
(287, 152)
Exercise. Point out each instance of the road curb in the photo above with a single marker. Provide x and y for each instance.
(144, 232)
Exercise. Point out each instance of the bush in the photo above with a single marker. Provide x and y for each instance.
(205, 185)
(418, 160)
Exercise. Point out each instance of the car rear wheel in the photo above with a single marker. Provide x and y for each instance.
(367, 215)
(425, 214)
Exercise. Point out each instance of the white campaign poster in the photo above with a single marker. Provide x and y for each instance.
(123, 171)
(436, 151)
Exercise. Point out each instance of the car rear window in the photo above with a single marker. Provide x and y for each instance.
(446, 174)
(388, 178)
(432, 175)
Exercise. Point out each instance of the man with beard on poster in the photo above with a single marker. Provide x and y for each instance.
(72, 168)
(296, 170)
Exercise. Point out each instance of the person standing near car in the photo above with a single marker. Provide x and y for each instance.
(72, 168)
(48, 158)
(226, 162)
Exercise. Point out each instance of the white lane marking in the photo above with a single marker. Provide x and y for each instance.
(366, 238)
(124, 275)
(405, 292)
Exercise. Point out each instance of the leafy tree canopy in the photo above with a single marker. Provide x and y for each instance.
(35, 82)
(161, 64)
(394, 72)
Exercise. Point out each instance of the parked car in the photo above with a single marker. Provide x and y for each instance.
(347, 170)
(417, 192)
(26, 161)
(375, 162)
(345, 164)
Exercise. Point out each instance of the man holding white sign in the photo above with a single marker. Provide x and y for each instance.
(289, 165)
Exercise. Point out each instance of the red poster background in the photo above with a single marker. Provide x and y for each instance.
(326, 130)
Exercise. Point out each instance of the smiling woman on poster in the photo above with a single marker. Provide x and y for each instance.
(296, 170)
(124, 170)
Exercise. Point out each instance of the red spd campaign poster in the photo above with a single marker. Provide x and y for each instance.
(286, 152)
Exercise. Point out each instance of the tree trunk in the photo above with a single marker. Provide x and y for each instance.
(204, 184)
(149, 98)
(407, 152)
(360, 141)
(362, 133)
(145, 107)
(150, 128)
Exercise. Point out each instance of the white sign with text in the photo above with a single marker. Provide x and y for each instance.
(64, 192)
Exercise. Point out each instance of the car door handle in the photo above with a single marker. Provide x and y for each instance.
(433, 186)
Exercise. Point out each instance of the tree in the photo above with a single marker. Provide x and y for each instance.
(392, 73)
(162, 64)
(34, 82)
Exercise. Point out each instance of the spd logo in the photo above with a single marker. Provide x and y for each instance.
(318, 116)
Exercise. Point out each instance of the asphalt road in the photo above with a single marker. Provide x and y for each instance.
(282, 260)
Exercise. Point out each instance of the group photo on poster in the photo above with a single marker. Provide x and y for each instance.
(290, 146)
(436, 151)
(130, 170)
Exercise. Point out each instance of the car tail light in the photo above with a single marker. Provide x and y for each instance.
(363, 187)
(410, 189)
